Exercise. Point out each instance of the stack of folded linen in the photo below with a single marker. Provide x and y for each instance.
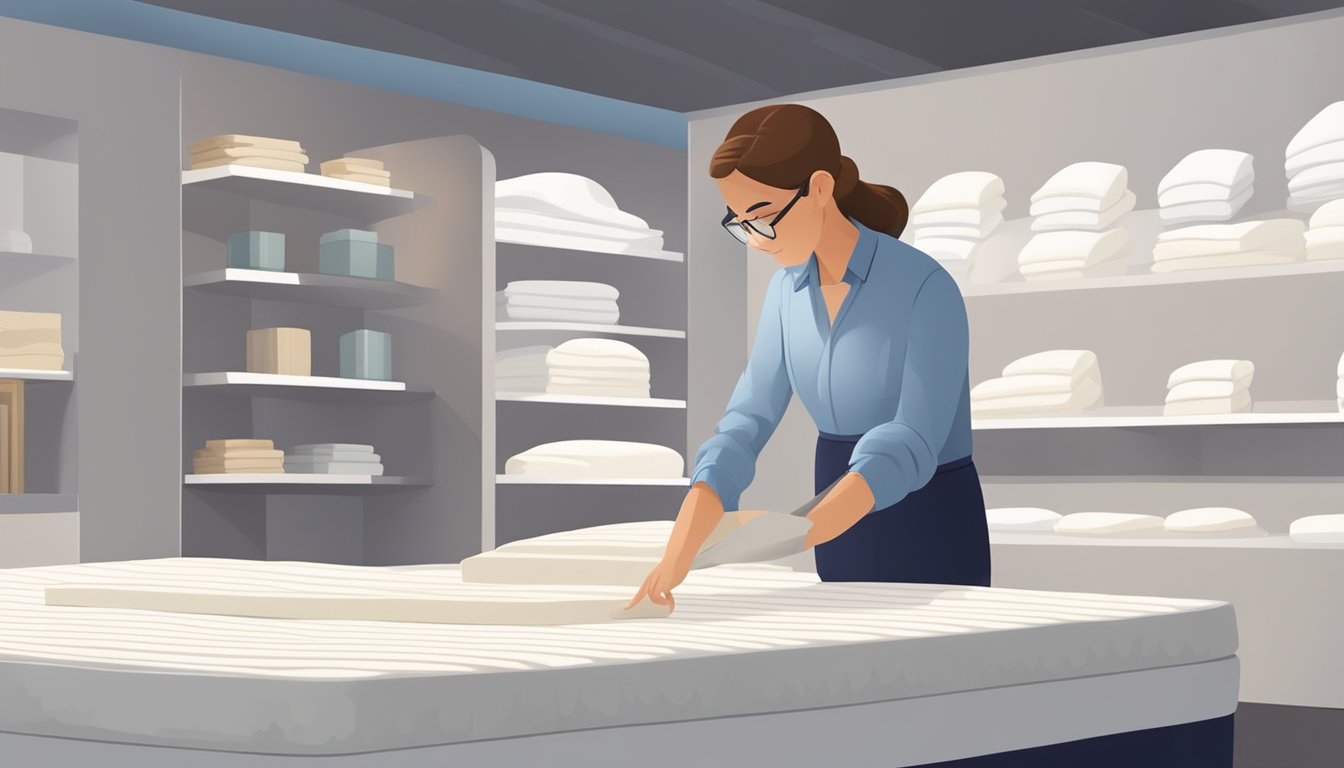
(1206, 185)
(239, 457)
(1210, 387)
(31, 341)
(558, 300)
(1021, 519)
(1314, 160)
(597, 459)
(595, 367)
(955, 213)
(1052, 382)
(1086, 197)
(358, 169)
(1213, 521)
(1117, 524)
(1325, 232)
(255, 151)
(566, 210)
(1244, 244)
(334, 459)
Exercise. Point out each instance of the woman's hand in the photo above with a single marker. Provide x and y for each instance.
(701, 512)
(660, 582)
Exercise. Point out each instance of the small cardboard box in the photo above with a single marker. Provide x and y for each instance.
(355, 253)
(366, 354)
(285, 351)
(257, 250)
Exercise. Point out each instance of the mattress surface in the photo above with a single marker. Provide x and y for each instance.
(746, 639)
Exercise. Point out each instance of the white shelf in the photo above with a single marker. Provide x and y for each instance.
(1315, 413)
(291, 479)
(309, 191)
(269, 384)
(631, 402)
(1270, 541)
(30, 375)
(19, 258)
(37, 503)
(357, 292)
(532, 480)
(656, 255)
(628, 330)
(1141, 280)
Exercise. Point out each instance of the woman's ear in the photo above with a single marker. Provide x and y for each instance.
(821, 187)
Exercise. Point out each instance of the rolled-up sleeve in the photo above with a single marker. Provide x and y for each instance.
(727, 460)
(900, 456)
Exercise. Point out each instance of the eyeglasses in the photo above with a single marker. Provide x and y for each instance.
(738, 229)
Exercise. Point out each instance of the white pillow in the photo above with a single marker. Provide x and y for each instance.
(1213, 520)
(1109, 524)
(1318, 529)
(1021, 519)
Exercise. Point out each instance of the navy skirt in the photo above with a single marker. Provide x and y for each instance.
(935, 535)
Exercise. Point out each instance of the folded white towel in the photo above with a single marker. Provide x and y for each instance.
(1238, 403)
(316, 449)
(1085, 219)
(572, 242)
(1228, 261)
(1212, 370)
(558, 302)
(579, 376)
(1109, 524)
(1021, 519)
(354, 457)
(1069, 362)
(13, 241)
(1317, 529)
(962, 216)
(1307, 201)
(1325, 153)
(1212, 520)
(1322, 235)
(1327, 174)
(597, 458)
(1325, 127)
(1187, 194)
(1326, 250)
(541, 222)
(576, 289)
(1105, 181)
(948, 248)
(507, 312)
(964, 189)
(1088, 247)
(1226, 167)
(602, 348)
(968, 231)
(1190, 213)
(567, 195)
(1206, 390)
(561, 360)
(1086, 395)
(1069, 204)
(1029, 384)
(1246, 235)
(582, 231)
(1329, 215)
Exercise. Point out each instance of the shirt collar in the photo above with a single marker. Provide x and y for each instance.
(859, 261)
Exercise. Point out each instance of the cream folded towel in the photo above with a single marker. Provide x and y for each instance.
(1330, 214)
(1213, 370)
(1206, 390)
(507, 234)
(1068, 362)
(525, 219)
(605, 378)
(1318, 529)
(1087, 395)
(239, 141)
(964, 189)
(557, 302)
(1224, 167)
(1308, 200)
(1087, 247)
(968, 231)
(1238, 403)
(253, 162)
(1325, 153)
(1109, 524)
(17, 340)
(1085, 219)
(576, 289)
(29, 321)
(1104, 181)
(1190, 213)
(1030, 384)
(597, 458)
(1324, 251)
(1021, 519)
(1202, 193)
(1068, 204)
(1282, 235)
(1322, 235)
(33, 362)
(1228, 261)
(1325, 127)
(1223, 521)
(244, 153)
(605, 349)
(963, 216)
(949, 248)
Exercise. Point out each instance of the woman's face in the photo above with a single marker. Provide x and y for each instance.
(797, 234)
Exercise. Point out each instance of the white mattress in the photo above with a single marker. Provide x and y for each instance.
(744, 640)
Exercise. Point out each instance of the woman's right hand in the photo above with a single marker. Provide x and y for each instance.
(660, 582)
(701, 511)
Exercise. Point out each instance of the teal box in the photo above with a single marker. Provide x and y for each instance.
(366, 354)
(355, 253)
(257, 250)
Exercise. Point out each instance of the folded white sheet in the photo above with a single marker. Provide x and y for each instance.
(1067, 203)
(1238, 403)
(1086, 395)
(353, 457)
(604, 349)
(1007, 519)
(1218, 521)
(14, 241)
(541, 222)
(1189, 213)
(1104, 181)
(1237, 371)
(635, 243)
(964, 189)
(1330, 214)
(1225, 167)
(1325, 250)
(575, 375)
(1329, 173)
(1228, 261)
(1281, 235)
(947, 248)
(1321, 235)
(962, 216)
(1070, 362)
(1085, 219)
(508, 312)
(1087, 247)
(1202, 193)
(574, 289)
(597, 458)
(1318, 529)
(1308, 201)
(1029, 384)
(969, 231)
(1325, 127)
(1325, 153)
(558, 302)
(567, 195)
(558, 360)
(1109, 524)
(571, 242)
(1206, 390)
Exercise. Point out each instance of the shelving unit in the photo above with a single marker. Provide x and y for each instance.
(275, 385)
(308, 191)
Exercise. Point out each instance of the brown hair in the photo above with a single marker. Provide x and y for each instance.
(782, 145)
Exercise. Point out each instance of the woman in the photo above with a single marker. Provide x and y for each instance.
(871, 334)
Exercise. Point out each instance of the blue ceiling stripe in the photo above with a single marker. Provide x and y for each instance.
(387, 71)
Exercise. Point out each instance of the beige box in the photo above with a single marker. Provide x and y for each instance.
(285, 351)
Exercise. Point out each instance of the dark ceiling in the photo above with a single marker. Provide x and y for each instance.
(687, 55)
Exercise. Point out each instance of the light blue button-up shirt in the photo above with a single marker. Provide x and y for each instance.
(892, 368)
